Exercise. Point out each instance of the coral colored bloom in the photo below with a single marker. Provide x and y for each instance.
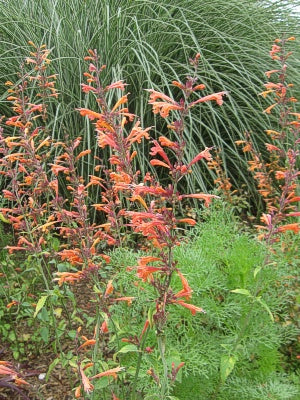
(109, 288)
(217, 97)
(202, 196)
(189, 221)
(268, 110)
(271, 147)
(289, 227)
(89, 342)
(204, 154)
(159, 163)
(166, 142)
(186, 291)
(87, 386)
(68, 277)
(104, 327)
(128, 299)
(111, 372)
(190, 307)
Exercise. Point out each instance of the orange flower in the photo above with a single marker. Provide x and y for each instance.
(189, 221)
(166, 142)
(68, 277)
(289, 227)
(202, 196)
(13, 303)
(159, 163)
(190, 307)
(217, 97)
(109, 288)
(87, 386)
(271, 147)
(104, 327)
(137, 133)
(116, 85)
(82, 154)
(268, 110)
(121, 101)
(89, 342)
(128, 299)
(163, 107)
(85, 112)
(186, 291)
(204, 154)
(111, 372)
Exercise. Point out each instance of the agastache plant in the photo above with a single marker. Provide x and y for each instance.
(156, 219)
(25, 154)
(277, 179)
(158, 222)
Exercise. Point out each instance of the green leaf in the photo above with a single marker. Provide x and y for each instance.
(102, 383)
(256, 271)
(265, 306)
(128, 349)
(150, 316)
(3, 219)
(44, 334)
(40, 305)
(245, 292)
(51, 366)
(226, 366)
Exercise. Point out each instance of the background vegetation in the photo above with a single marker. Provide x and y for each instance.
(148, 43)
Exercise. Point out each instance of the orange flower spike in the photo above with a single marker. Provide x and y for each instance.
(268, 109)
(87, 386)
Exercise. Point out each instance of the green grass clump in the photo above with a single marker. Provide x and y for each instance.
(147, 43)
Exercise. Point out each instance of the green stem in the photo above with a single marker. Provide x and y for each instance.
(164, 381)
(138, 365)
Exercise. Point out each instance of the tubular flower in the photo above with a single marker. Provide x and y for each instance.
(204, 154)
(289, 227)
(163, 107)
(202, 196)
(87, 386)
(190, 307)
(217, 97)
(111, 372)
(68, 277)
(186, 291)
